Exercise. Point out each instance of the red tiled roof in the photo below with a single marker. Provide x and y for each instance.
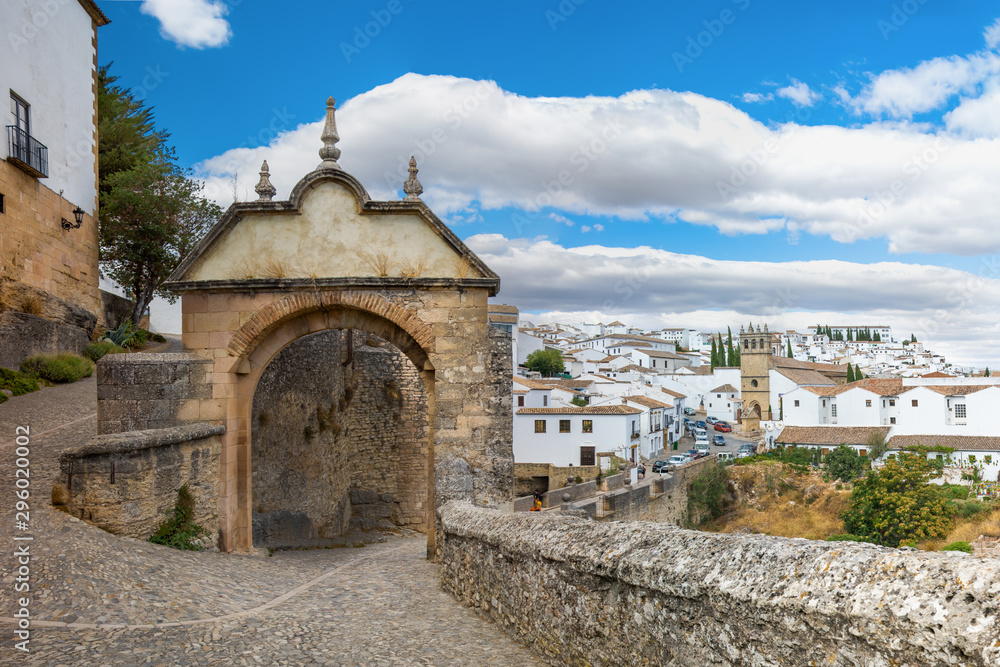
(829, 435)
(647, 401)
(988, 443)
(587, 410)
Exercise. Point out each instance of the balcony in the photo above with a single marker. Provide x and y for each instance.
(26, 152)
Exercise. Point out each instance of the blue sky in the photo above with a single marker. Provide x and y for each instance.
(797, 161)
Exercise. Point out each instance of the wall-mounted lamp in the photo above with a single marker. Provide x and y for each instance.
(78, 216)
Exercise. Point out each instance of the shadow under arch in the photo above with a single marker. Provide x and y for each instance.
(260, 341)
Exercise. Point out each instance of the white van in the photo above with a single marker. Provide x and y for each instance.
(700, 435)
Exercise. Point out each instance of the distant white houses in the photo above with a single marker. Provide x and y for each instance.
(566, 436)
(723, 403)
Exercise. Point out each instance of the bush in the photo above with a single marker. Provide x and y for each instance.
(958, 546)
(17, 383)
(707, 492)
(969, 508)
(844, 464)
(95, 351)
(58, 367)
(180, 531)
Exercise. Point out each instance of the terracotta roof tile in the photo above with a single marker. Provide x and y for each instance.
(675, 394)
(829, 435)
(587, 410)
(988, 443)
(647, 401)
(724, 389)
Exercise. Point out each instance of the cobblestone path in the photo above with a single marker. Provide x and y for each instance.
(97, 599)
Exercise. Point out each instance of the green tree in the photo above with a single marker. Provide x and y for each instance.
(790, 355)
(896, 504)
(877, 337)
(843, 463)
(708, 493)
(850, 373)
(858, 375)
(714, 356)
(850, 334)
(547, 362)
(579, 401)
(730, 355)
(151, 212)
(987, 372)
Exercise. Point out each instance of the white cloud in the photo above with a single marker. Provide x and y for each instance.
(598, 228)
(651, 287)
(562, 219)
(799, 93)
(195, 23)
(757, 98)
(647, 154)
(992, 34)
(903, 92)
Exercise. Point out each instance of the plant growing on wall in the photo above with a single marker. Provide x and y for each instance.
(179, 530)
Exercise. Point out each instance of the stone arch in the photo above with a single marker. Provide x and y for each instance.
(276, 329)
(400, 327)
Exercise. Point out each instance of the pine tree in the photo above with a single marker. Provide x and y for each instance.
(730, 355)
(790, 355)
(987, 373)
(715, 357)
(850, 373)
(878, 337)
(850, 334)
(722, 351)
(858, 375)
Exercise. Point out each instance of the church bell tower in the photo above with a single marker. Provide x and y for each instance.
(755, 367)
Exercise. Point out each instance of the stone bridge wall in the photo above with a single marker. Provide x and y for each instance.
(592, 593)
(126, 483)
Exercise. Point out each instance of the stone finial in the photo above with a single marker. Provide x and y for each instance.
(264, 187)
(330, 153)
(412, 186)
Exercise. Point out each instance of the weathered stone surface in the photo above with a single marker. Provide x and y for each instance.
(23, 335)
(584, 592)
(126, 483)
(147, 391)
(332, 442)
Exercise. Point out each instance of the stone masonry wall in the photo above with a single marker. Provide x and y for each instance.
(145, 391)
(126, 483)
(635, 593)
(34, 248)
(337, 446)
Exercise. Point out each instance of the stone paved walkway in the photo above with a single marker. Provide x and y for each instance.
(98, 599)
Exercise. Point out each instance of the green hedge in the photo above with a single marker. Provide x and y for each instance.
(58, 367)
(95, 351)
(958, 546)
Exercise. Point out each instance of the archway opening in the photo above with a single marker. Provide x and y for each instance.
(339, 442)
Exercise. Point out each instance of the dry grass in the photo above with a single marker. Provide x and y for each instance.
(378, 260)
(31, 304)
(463, 267)
(411, 269)
(776, 501)
(250, 267)
(966, 530)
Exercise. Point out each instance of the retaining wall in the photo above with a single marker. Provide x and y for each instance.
(634, 593)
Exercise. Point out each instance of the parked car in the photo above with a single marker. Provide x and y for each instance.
(711, 420)
(745, 450)
(693, 454)
(700, 434)
(678, 460)
(725, 457)
(701, 424)
(689, 412)
(660, 466)
(723, 426)
(688, 424)
(702, 448)
(719, 440)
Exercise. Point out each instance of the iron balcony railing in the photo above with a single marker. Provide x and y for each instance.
(27, 152)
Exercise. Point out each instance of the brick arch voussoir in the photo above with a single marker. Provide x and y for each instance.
(270, 317)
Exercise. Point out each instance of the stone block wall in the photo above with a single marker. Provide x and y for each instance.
(23, 335)
(147, 391)
(35, 251)
(637, 593)
(126, 483)
(339, 441)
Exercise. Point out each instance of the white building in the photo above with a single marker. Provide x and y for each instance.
(574, 436)
(723, 403)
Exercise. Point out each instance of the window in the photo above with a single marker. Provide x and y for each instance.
(863, 452)
(587, 456)
(520, 401)
(892, 402)
(868, 403)
(988, 459)
(796, 404)
(545, 401)
(753, 383)
(1, 202)
(892, 420)
(19, 111)
(718, 395)
(913, 403)
(833, 409)
(564, 426)
(588, 426)
(539, 426)
(960, 411)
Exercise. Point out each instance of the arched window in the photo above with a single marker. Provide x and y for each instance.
(746, 345)
(753, 344)
(753, 383)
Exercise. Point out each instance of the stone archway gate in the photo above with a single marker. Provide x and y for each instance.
(271, 272)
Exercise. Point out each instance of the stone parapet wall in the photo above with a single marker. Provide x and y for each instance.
(126, 483)
(633, 593)
(147, 391)
(23, 335)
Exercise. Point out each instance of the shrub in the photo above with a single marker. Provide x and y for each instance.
(95, 351)
(17, 383)
(180, 531)
(707, 492)
(844, 464)
(958, 546)
(58, 367)
(124, 335)
(969, 508)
